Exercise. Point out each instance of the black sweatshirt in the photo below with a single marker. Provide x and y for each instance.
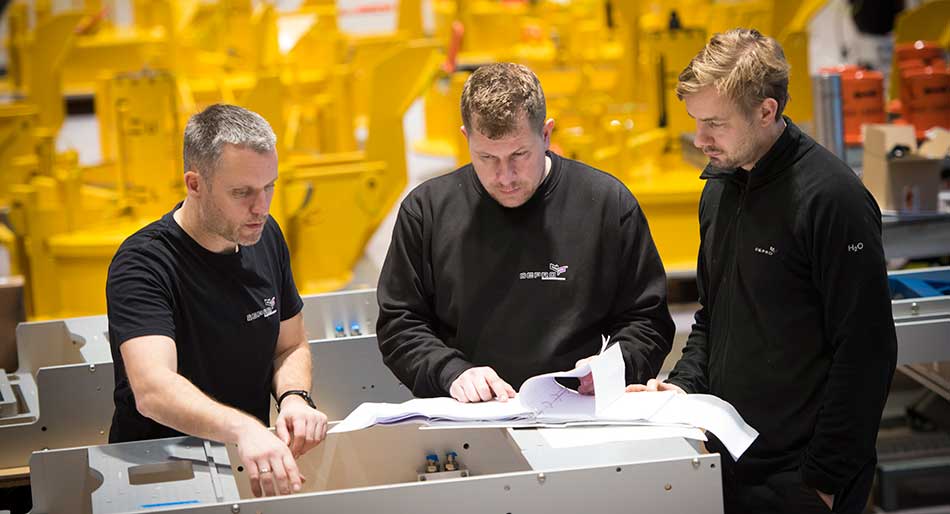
(525, 290)
(795, 326)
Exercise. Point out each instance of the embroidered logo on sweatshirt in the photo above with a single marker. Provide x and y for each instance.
(856, 247)
(770, 251)
(554, 274)
(270, 308)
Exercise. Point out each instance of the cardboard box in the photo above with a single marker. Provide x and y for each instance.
(937, 145)
(908, 183)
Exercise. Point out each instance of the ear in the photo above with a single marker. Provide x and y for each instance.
(193, 183)
(767, 112)
(464, 132)
(546, 132)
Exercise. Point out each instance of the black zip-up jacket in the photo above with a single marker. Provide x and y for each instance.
(525, 290)
(795, 326)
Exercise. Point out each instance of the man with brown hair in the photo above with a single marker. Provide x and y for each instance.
(518, 263)
(795, 327)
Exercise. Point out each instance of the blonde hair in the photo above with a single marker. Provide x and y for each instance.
(743, 65)
(497, 95)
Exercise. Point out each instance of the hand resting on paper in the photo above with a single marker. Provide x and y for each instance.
(480, 384)
(654, 385)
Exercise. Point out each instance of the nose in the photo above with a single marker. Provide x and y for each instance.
(702, 138)
(505, 173)
(261, 203)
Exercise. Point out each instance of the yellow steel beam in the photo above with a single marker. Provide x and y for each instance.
(51, 42)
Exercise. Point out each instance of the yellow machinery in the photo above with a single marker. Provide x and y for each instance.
(189, 37)
(68, 220)
(609, 77)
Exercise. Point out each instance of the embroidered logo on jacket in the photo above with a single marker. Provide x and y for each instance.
(770, 251)
(270, 308)
(554, 274)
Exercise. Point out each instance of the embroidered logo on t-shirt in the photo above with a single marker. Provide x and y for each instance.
(269, 309)
(554, 274)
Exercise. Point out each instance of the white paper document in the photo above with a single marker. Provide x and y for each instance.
(542, 400)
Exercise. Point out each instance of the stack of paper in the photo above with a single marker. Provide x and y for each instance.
(542, 400)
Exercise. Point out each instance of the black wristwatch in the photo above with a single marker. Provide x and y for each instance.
(299, 392)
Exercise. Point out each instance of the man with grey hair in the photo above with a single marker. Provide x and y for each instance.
(519, 263)
(205, 321)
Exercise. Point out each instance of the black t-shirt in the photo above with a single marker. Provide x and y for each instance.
(222, 310)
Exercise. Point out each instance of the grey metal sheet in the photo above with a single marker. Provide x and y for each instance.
(916, 236)
(117, 494)
(350, 371)
(680, 480)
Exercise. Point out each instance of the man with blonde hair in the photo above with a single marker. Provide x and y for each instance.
(794, 326)
(518, 263)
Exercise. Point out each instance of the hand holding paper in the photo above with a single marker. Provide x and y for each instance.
(543, 400)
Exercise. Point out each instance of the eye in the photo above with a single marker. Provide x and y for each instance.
(268, 188)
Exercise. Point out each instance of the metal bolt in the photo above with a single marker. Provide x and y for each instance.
(541, 478)
(914, 309)
(668, 487)
(507, 487)
(235, 508)
(695, 462)
(92, 368)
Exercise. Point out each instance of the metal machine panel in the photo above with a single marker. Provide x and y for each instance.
(323, 315)
(916, 236)
(923, 341)
(375, 470)
(65, 382)
(78, 410)
(149, 476)
(922, 323)
(8, 399)
(350, 371)
(71, 405)
(347, 313)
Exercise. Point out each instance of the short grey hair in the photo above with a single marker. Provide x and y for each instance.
(208, 131)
